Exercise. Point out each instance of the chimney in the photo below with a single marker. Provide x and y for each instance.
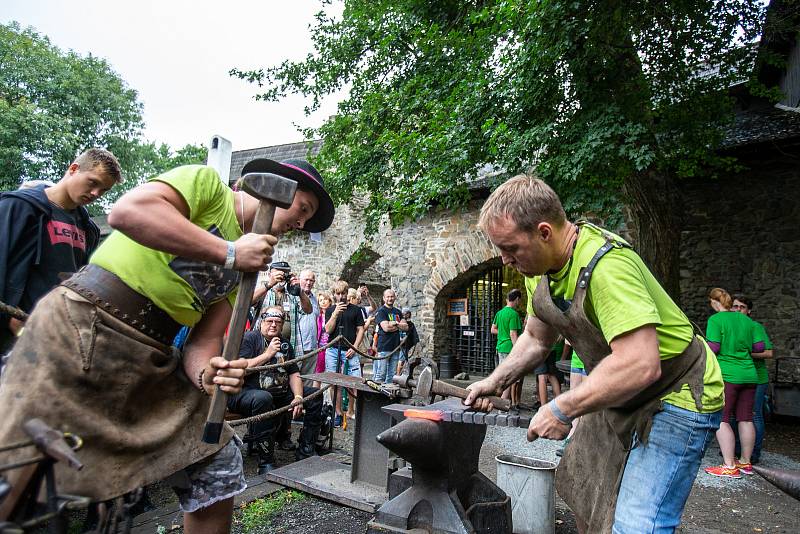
(219, 157)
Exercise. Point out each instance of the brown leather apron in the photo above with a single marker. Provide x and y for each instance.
(590, 471)
(84, 371)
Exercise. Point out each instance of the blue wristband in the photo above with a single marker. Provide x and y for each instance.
(558, 413)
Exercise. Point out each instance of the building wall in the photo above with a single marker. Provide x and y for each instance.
(741, 234)
(417, 259)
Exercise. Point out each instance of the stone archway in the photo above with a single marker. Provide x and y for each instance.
(464, 254)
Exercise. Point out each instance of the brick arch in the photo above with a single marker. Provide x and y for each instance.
(463, 258)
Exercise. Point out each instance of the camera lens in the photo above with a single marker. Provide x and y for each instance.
(284, 347)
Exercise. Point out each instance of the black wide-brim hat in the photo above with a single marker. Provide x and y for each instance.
(305, 175)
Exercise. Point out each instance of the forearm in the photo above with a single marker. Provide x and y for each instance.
(526, 354)
(610, 384)
(305, 303)
(330, 326)
(359, 336)
(197, 354)
(763, 355)
(296, 384)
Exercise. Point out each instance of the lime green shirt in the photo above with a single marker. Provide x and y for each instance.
(759, 363)
(623, 295)
(507, 319)
(736, 334)
(184, 288)
(576, 362)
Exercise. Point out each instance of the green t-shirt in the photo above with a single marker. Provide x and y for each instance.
(760, 363)
(576, 362)
(623, 295)
(507, 319)
(184, 288)
(736, 333)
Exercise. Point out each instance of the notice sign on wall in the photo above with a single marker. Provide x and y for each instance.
(469, 333)
(457, 307)
(463, 320)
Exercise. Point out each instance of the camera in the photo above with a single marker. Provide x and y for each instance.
(284, 347)
(292, 289)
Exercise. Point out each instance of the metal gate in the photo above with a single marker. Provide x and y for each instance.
(473, 343)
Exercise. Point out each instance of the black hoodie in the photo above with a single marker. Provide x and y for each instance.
(39, 242)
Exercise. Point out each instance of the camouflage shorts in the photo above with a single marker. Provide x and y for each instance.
(212, 479)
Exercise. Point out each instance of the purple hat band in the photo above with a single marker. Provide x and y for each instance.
(303, 171)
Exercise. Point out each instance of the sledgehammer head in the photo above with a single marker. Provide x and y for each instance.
(273, 188)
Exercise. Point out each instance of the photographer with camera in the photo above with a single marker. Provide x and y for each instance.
(282, 289)
(274, 388)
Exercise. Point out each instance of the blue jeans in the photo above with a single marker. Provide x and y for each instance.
(332, 355)
(659, 475)
(383, 370)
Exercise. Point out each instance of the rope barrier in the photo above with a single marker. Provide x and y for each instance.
(16, 313)
(278, 411)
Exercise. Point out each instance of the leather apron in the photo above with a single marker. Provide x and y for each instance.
(82, 370)
(590, 471)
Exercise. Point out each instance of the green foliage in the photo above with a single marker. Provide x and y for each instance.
(258, 512)
(141, 161)
(55, 104)
(585, 93)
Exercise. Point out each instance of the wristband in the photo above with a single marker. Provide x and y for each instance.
(200, 382)
(230, 257)
(558, 413)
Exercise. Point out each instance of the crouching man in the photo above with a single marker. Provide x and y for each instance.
(275, 388)
(96, 359)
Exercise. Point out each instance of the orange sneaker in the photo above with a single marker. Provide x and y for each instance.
(747, 468)
(724, 471)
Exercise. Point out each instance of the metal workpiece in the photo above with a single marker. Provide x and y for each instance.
(453, 410)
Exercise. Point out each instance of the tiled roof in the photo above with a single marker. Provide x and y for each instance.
(277, 152)
(762, 125)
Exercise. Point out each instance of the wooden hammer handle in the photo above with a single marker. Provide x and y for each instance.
(219, 403)
(445, 389)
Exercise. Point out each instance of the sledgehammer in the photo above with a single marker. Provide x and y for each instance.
(272, 191)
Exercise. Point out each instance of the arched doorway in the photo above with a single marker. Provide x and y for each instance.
(476, 295)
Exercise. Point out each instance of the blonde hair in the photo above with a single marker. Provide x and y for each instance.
(527, 201)
(324, 295)
(721, 296)
(352, 294)
(339, 286)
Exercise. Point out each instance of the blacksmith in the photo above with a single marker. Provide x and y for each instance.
(95, 357)
(654, 386)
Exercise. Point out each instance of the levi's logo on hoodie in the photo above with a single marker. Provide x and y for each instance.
(61, 232)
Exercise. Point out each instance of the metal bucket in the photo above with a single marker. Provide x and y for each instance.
(529, 483)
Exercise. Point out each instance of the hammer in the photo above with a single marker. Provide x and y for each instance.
(426, 386)
(272, 191)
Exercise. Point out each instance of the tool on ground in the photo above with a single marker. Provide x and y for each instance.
(426, 388)
(783, 479)
(272, 191)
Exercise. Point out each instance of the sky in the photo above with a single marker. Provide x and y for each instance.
(177, 53)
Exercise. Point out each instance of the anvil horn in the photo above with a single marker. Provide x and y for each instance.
(419, 441)
(783, 479)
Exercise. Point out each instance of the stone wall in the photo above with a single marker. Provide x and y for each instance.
(418, 259)
(741, 234)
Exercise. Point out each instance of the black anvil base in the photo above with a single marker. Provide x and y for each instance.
(448, 495)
